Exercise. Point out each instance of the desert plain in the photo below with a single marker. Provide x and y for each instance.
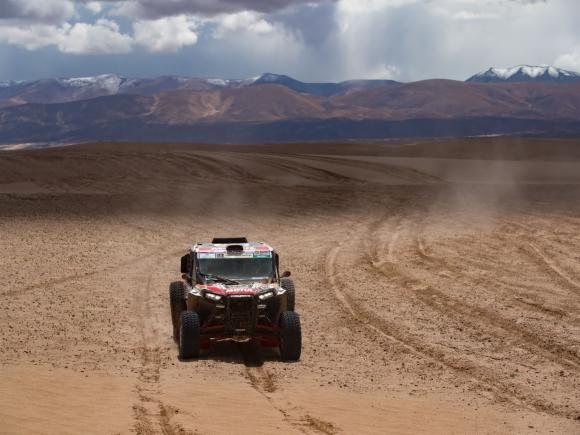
(438, 285)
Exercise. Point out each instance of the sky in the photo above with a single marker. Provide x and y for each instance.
(311, 40)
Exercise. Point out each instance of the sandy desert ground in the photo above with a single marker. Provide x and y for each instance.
(438, 284)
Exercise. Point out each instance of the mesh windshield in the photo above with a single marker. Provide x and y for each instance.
(240, 268)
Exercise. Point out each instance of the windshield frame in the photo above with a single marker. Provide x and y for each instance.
(203, 272)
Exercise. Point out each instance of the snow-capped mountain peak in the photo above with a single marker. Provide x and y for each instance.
(525, 73)
(273, 78)
(8, 83)
(269, 77)
(218, 82)
(107, 82)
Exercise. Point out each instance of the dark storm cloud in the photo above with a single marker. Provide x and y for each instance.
(34, 11)
(10, 9)
(57, 11)
(171, 7)
(157, 9)
(312, 23)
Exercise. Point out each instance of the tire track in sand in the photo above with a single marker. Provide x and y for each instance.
(260, 378)
(475, 316)
(496, 325)
(151, 415)
(538, 254)
(554, 269)
(479, 376)
(264, 382)
(90, 273)
(156, 252)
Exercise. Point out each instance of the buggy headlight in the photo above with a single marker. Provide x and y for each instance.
(266, 295)
(212, 297)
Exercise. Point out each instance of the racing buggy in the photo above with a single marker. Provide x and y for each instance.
(233, 290)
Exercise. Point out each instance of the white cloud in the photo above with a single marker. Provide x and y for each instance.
(166, 34)
(94, 7)
(382, 72)
(242, 22)
(81, 38)
(470, 15)
(570, 61)
(366, 6)
(102, 37)
(248, 53)
(30, 37)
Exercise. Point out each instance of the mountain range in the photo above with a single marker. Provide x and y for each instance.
(525, 74)
(278, 108)
(62, 90)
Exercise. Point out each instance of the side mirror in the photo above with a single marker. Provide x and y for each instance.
(285, 274)
(185, 263)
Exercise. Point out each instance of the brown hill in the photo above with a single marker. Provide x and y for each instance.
(257, 103)
(448, 99)
(426, 99)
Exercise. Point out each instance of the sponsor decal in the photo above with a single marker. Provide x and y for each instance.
(247, 248)
(234, 256)
(238, 290)
(234, 291)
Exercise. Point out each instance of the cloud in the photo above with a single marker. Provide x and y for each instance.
(34, 11)
(450, 38)
(102, 37)
(156, 8)
(166, 34)
(383, 72)
(249, 52)
(470, 15)
(58, 11)
(569, 61)
(94, 7)
(31, 37)
(365, 6)
(242, 22)
(312, 23)
(310, 39)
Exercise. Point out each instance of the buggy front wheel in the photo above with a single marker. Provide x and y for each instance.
(189, 335)
(290, 336)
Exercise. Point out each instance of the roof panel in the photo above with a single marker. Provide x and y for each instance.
(222, 247)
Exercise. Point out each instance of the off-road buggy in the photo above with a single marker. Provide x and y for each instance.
(233, 290)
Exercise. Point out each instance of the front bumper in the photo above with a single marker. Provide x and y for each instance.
(239, 317)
